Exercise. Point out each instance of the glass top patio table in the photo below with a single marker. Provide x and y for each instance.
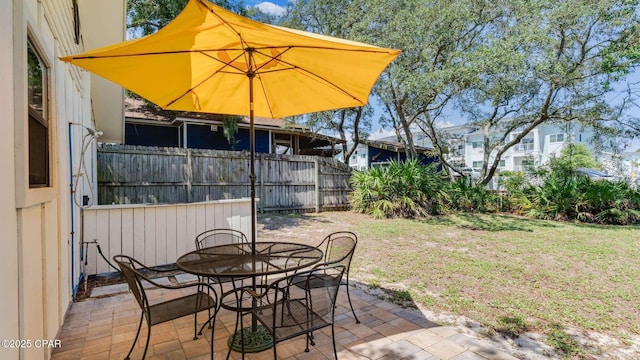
(238, 260)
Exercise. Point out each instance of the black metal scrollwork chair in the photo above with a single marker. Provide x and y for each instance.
(338, 248)
(299, 304)
(215, 237)
(136, 274)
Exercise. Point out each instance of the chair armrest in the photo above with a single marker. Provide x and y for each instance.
(181, 286)
(140, 266)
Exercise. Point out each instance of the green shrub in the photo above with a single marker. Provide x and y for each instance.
(565, 195)
(464, 195)
(405, 189)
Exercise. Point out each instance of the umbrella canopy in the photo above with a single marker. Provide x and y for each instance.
(202, 59)
(211, 60)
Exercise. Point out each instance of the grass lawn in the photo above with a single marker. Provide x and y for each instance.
(510, 274)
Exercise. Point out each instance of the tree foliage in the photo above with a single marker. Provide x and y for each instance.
(574, 156)
(145, 17)
(505, 66)
(332, 18)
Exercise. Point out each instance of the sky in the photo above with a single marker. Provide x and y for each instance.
(275, 7)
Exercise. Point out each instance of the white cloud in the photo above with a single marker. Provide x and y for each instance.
(381, 133)
(270, 8)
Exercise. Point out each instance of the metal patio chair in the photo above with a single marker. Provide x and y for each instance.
(215, 237)
(299, 304)
(338, 248)
(156, 312)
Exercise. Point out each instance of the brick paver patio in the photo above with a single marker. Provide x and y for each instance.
(104, 326)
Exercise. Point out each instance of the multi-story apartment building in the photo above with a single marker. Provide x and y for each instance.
(534, 150)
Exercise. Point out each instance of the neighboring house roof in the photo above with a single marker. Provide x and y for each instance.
(137, 109)
(140, 111)
(393, 146)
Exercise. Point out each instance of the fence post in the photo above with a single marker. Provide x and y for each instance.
(317, 182)
(261, 202)
(189, 176)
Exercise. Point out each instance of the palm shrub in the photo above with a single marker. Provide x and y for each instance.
(405, 189)
(465, 195)
(565, 195)
(557, 198)
(609, 202)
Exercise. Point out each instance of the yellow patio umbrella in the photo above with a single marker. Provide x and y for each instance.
(211, 60)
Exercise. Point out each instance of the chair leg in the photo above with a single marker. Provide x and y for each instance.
(308, 339)
(233, 337)
(146, 345)
(333, 338)
(212, 322)
(195, 326)
(275, 353)
(350, 304)
(136, 339)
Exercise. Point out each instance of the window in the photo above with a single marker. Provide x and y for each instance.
(38, 108)
(556, 138)
(502, 163)
(363, 156)
(525, 144)
(527, 164)
(477, 164)
(476, 144)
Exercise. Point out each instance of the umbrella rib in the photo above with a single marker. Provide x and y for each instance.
(221, 70)
(294, 67)
(313, 75)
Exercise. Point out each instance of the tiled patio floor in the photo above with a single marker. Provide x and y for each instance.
(103, 328)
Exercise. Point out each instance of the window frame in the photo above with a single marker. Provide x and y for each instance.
(553, 138)
(526, 144)
(42, 118)
(26, 196)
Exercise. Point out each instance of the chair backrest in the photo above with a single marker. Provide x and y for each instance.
(317, 288)
(128, 266)
(215, 237)
(339, 248)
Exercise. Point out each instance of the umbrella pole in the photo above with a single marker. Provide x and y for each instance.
(252, 176)
(256, 338)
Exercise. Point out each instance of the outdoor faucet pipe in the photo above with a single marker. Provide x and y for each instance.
(93, 134)
(95, 242)
(74, 287)
(91, 131)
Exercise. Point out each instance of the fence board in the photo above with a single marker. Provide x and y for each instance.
(115, 235)
(143, 175)
(156, 234)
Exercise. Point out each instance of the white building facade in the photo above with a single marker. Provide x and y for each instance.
(536, 149)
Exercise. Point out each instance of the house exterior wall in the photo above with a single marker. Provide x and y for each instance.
(38, 263)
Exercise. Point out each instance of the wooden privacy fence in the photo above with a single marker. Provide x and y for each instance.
(155, 234)
(139, 174)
